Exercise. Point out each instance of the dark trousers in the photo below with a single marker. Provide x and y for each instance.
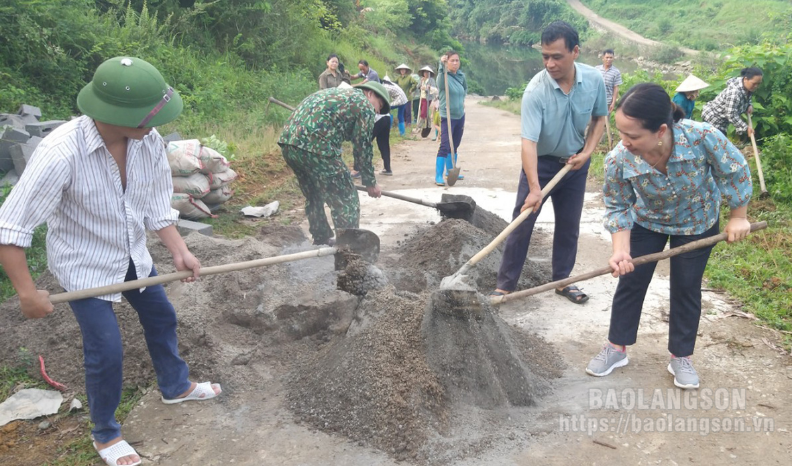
(415, 106)
(567, 197)
(103, 353)
(457, 129)
(687, 271)
(382, 135)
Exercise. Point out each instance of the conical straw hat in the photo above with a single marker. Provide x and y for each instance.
(403, 66)
(690, 84)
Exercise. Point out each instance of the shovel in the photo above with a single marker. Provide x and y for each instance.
(758, 161)
(658, 256)
(358, 241)
(456, 209)
(453, 174)
(608, 130)
(455, 280)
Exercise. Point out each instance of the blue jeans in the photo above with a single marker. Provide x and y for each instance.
(567, 198)
(103, 352)
(687, 271)
(401, 112)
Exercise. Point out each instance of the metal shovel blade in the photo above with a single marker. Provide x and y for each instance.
(425, 132)
(362, 242)
(453, 175)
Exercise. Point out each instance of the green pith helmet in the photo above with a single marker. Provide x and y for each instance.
(380, 90)
(129, 92)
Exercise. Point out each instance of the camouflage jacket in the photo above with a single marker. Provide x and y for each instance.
(329, 117)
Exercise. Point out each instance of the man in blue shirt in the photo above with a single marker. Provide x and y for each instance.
(557, 105)
(366, 72)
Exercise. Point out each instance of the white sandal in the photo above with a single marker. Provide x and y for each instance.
(115, 452)
(202, 391)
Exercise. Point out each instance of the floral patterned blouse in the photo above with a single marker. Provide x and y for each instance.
(703, 167)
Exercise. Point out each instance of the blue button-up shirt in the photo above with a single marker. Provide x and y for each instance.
(703, 167)
(555, 121)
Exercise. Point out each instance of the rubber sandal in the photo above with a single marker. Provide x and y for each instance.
(497, 293)
(573, 294)
(202, 391)
(113, 453)
(386, 173)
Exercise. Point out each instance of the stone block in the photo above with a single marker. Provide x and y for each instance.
(15, 121)
(20, 153)
(30, 110)
(11, 137)
(172, 137)
(10, 178)
(185, 227)
(44, 128)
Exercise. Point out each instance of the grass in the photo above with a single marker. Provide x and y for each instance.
(708, 25)
(510, 105)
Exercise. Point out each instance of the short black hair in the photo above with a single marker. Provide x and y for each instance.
(332, 55)
(561, 30)
(608, 51)
(363, 62)
(750, 73)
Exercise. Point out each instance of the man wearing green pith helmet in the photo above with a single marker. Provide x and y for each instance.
(311, 145)
(100, 182)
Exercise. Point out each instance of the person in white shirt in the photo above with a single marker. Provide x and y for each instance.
(100, 181)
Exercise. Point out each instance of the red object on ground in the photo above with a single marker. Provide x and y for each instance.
(54, 384)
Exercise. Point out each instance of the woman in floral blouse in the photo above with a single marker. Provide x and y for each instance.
(664, 182)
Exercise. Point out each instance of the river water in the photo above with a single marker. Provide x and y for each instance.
(497, 67)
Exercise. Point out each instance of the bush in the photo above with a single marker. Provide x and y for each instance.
(777, 167)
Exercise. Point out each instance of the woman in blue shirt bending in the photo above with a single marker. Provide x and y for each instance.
(665, 181)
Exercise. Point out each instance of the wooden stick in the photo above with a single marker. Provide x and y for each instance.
(606, 270)
(402, 197)
(507, 231)
(758, 160)
(172, 277)
(448, 114)
(608, 130)
(282, 104)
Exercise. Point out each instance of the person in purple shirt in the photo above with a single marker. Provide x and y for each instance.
(664, 182)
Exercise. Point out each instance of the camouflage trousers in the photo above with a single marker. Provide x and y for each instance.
(324, 180)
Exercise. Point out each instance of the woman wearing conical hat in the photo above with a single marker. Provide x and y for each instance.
(687, 93)
(428, 89)
(408, 84)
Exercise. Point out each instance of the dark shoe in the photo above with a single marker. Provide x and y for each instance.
(354, 174)
(573, 294)
(386, 173)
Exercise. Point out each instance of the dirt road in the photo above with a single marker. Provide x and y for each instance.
(607, 25)
(741, 415)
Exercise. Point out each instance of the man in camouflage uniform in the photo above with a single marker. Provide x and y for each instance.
(311, 145)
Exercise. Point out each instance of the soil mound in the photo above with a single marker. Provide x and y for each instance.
(441, 250)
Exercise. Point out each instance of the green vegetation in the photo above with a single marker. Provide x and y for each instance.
(705, 25)
(506, 21)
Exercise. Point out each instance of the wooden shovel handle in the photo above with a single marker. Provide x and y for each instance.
(172, 277)
(402, 197)
(282, 104)
(517, 221)
(758, 160)
(448, 112)
(605, 270)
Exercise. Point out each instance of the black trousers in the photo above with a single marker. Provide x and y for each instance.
(687, 271)
(382, 135)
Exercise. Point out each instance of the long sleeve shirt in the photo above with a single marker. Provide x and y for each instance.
(728, 106)
(328, 79)
(327, 118)
(457, 90)
(685, 104)
(94, 225)
(703, 167)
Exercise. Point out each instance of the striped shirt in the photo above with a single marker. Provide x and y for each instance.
(94, 225)
(612, 77)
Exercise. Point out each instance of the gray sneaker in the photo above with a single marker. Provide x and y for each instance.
(607, 360)
(684, 374)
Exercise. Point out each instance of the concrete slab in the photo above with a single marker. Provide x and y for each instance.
(30, 110)
(16, 121)
(21, 153)
(11, 137)
(186, 227)
(43, 128)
